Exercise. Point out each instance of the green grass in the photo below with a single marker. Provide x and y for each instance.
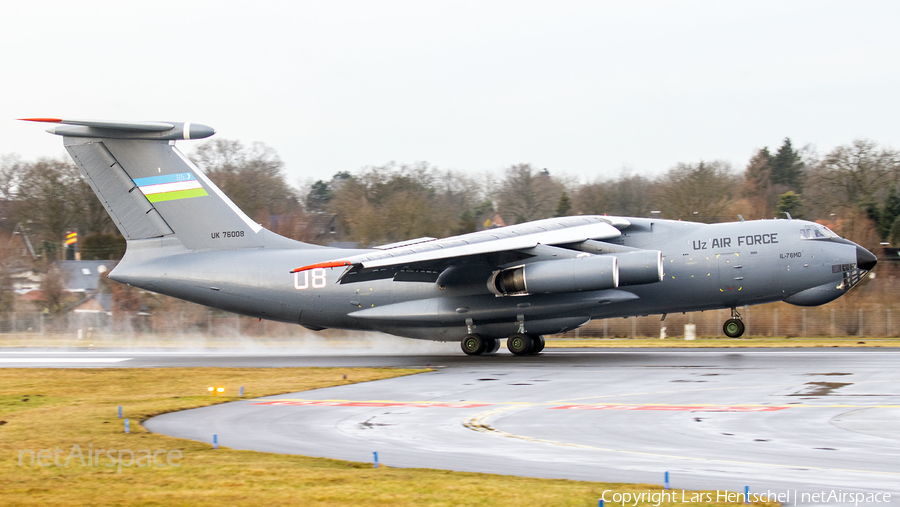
(65, 407)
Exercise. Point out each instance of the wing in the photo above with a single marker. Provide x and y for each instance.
(425, 258)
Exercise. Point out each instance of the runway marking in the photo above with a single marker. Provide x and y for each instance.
(479, 423)
(677, 391)
(338, 403)
(673, 408)
(674, 391)
(701, 407)
(63, 359)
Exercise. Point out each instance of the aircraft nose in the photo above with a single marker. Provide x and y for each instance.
(865, 259)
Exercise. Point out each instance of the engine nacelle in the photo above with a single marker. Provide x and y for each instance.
(638, 268)
(595, 272)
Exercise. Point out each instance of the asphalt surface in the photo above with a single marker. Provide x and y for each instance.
(785, 420)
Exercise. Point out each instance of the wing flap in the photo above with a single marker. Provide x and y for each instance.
(553, 231)
(402, 244)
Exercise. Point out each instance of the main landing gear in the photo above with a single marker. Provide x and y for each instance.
(734, 327)
(520, 344)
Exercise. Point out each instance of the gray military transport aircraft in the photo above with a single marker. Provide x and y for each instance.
(186, 239)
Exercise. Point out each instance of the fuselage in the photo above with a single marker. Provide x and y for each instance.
(706, 266)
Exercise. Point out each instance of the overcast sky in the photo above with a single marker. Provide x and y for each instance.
(583, 88)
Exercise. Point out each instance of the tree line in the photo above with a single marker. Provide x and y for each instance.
(853, 189)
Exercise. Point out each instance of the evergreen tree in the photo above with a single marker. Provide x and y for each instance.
(792, 203)
(759, 170)
(102, 246)
(319, 196)
(564, 206)
(872, 211)
(889, 212)
(466, 223)
(787, 167)
(758, 178)
(894, 236)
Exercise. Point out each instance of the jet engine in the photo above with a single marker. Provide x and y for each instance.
(638, 268)
(594, 272)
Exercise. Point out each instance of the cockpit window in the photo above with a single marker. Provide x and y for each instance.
(816, 232)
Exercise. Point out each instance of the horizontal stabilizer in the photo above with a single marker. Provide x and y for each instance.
(127, 129)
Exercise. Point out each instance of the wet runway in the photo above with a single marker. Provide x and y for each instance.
(773, 419)
(796, 420)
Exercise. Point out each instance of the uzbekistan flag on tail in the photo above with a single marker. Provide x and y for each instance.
(170, 187)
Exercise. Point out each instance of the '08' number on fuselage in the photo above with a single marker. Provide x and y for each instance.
(318, 279)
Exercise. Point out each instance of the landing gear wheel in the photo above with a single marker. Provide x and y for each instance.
(733, 328)
(520, 344)
(538, 344)
(473, 345)
(493, 345)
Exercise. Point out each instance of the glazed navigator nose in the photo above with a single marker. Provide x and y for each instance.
(865, 259)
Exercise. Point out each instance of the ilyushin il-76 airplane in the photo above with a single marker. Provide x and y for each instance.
(187, 239)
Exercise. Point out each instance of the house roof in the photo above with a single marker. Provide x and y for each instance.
(33, 295)
(83, 276)
(96, 303)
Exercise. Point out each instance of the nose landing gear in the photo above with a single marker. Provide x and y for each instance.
(734, 327)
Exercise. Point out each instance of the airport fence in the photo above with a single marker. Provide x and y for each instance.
(772, 320)
(872, 309)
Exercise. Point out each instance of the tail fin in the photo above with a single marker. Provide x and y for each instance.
(151, 190)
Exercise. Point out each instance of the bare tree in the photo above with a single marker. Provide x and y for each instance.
(53, 287)
(11, 170)
(858, 172)
(701, 191)
(252, 177)
(527, 194)
(48, 198)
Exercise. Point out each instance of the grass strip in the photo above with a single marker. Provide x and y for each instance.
(59, 408)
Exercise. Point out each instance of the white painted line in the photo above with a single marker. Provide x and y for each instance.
(721, 350)
(63, 359)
